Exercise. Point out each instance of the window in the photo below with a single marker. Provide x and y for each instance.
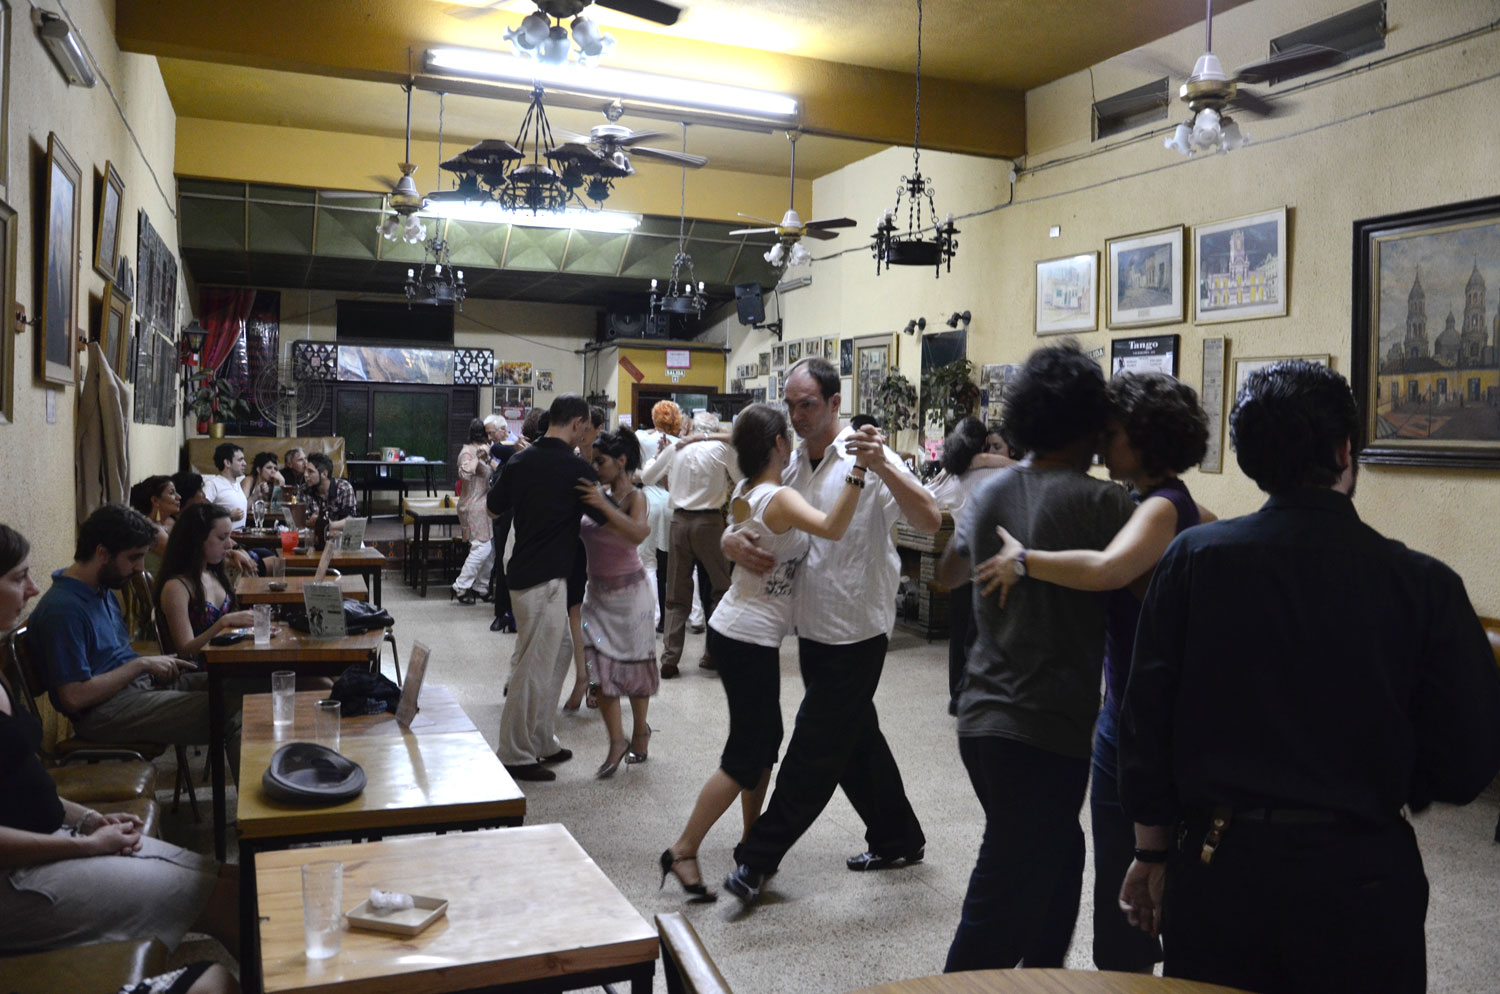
(1354, 32)
(1130, 109)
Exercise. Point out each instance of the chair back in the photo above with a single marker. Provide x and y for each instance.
(21, 675)
(686, 964)
(143, 591)
(1492, 629)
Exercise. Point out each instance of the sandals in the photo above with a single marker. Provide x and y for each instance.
(698, 893)
(633, 756)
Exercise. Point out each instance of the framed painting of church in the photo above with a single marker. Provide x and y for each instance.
(1426, 338)
(1239, 268)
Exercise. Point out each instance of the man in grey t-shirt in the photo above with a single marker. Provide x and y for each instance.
(1031, 686)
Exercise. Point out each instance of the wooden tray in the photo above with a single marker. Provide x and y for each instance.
(405, 921)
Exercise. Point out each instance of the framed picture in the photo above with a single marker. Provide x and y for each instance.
(872, 358)
(1211, 395)
(831, 350)
(993, 379)
(793, 353)
(55, 356)
(846, 396)
(1240, 268)
(778, 356)
(8, 238)
(1145, 279)
(512, 374)
(107, 233)
(544, 380)
(114, 329)
(1067, 294)
(1428, 397)
(765, 363)
(1244, 367)
(846, 357)
(1156, 354)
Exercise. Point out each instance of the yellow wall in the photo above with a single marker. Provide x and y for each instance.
(706, 370)
(37, 487)
(1401, 136)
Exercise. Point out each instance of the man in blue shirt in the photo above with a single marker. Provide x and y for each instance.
(77, 635)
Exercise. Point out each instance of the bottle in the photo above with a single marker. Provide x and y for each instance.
(320, 533)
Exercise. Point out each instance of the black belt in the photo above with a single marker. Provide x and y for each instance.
(698, 510)
(1288, 816)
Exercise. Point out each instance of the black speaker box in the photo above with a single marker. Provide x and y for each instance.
(747, 299)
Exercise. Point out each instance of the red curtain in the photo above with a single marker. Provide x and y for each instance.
(222, 311)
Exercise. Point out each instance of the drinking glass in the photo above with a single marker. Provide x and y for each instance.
(278, 563)
(262, 623)
(258, 512)
(326, 724)
(283, 697)
(323, 907)
(288, 542)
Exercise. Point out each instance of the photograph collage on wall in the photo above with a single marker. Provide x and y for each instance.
(514, 396)
(513, 374)
(155, 358)
(993, 378)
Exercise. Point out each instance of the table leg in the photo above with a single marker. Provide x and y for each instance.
(216, 758)
(249, 951)
(376, 585)
(640, 979)
(424, 530)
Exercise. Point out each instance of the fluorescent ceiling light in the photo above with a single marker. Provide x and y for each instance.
(494, 214)
(606, 81)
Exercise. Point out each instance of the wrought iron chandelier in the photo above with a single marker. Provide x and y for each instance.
(908, 248)
(681, 297)
(534, 186)
(439, 283)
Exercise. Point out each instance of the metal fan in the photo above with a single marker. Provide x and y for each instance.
(603, 156)
(788, 251)
(286, 400)
(650, 10)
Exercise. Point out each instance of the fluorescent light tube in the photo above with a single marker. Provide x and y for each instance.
(605, 81)
(494, 214)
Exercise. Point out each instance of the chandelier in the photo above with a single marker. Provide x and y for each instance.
(497, 170)
(682, 296)
(908, 248)
(540, 39)
(438, 284)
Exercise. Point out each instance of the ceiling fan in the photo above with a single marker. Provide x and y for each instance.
(650, 10)
(603, 156)
(404, 198)
(788, 250)
(1210, 93)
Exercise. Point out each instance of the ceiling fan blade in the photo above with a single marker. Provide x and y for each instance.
(833, 222)
(1150, 64)
(754, 231)
(650, 10)
(1256, 104)
(639, 136)
(470, 13)
(679, 158)
(565, 137)
(821, 234)
(1293, 62)
(347, 195)
(752, 217)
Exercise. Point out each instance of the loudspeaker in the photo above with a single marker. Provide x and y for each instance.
(747, 299)
(625, 324)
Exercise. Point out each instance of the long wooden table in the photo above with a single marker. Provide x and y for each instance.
(528, 910)
(367, 562)
(288, 649)
(437, 776)
(257, 589)
(1046, 982)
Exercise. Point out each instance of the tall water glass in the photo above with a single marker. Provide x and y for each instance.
(278, 565)
(262, 614)
(283, 697)
(326, 723)
(323, 907)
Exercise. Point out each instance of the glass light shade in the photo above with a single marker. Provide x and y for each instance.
(1181, 140)
(1206, 129)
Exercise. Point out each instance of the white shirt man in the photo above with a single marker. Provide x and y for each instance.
(224, 488)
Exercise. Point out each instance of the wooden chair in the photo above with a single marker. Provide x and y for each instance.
(144, 586)
(686, 964)
(98, 968)
(1492, 629)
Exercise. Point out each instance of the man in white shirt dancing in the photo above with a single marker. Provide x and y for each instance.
(846, 609)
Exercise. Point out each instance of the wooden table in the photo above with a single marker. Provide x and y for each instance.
(368, 471)
(367, 562)
(258, 538)
(528, 910)
(257, 589)
(1040, 982)
(422, 521)
(439, 712)
(288, 649)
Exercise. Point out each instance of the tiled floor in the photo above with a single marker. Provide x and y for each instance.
(822, 928)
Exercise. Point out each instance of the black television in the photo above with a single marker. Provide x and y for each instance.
(394, 322)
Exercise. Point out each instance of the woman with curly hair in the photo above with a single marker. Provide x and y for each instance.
(1156, 430)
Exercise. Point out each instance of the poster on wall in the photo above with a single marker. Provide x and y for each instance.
(765, 363)
(544, 381)
(846, 357)
(1156, 354)
(507, 397)
(156, 361)
(516, 374)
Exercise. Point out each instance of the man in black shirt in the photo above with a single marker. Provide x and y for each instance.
(1299, 682)
(539, 485)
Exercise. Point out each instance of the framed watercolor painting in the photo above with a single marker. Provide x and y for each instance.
(1145, 279)
(1239, 268)
(55, 355)
(1428, 387)
(1067, 294)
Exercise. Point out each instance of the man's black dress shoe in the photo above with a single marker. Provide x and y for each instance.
(530, 771)
(874, 861)
(560, 756)
(745, 884)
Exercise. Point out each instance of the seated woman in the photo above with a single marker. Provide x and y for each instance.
(264, 481)
(156, 497)
(70, 875)
(194, 590)
(1157, 430)
(189, 488)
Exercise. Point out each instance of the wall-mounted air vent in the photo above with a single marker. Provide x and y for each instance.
(1130, 109)
(1354, 32)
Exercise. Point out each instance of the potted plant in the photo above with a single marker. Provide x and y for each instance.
(896, 403)
(213, 401)
(951, 391)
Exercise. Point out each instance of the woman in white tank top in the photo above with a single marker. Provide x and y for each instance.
(747, 627)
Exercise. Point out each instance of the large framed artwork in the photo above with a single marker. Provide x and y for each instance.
(8, 238)
(56, 324)
(1239, 268)
(872, 362)
(1067, 294)
(107, 230)
(1145, 279)
(1428, 386)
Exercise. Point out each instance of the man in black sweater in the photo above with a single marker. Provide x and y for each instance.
(539, 485)
(1299, 684)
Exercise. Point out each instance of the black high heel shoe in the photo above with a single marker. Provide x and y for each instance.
(632, 757)
(699, 893)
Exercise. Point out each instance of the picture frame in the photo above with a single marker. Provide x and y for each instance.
(1067, 294)
(114, 329)
(544, 381)
(107, 230)
(1244, 367)
(1146, 279)
(1150, 354)
(993, 380)
(846, 396)
(846, 357)
(793, 353)
(1427, 397)
(1211, 396)
(1239, 268)
(778, 356)
(872, 360)
(764, 360)
(9, 232)
(56, 357)
(831, 350)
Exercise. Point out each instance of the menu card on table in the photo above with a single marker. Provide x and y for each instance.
(416, 666)
(325, 610)
(352, 538)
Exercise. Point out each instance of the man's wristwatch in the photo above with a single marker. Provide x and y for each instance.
(1020, 564)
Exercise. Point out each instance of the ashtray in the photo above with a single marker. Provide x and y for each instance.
(277, 585)
(402, 921)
